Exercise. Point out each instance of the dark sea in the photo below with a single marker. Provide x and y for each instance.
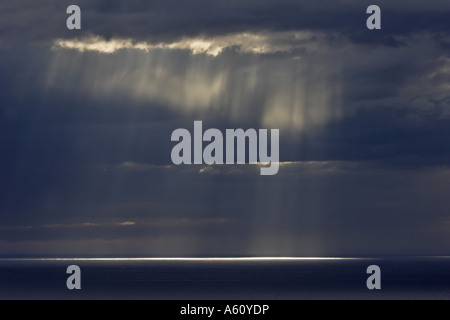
(222, 279)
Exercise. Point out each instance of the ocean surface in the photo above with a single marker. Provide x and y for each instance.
(226, 279)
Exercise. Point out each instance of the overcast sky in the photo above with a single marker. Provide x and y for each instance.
(86, 118)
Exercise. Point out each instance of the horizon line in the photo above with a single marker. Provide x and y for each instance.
(209, 258)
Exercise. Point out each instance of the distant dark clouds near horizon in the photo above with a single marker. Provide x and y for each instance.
(86, 118)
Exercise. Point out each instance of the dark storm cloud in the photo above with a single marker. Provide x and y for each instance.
(45, 20)
(363, 116)
(363, 76)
